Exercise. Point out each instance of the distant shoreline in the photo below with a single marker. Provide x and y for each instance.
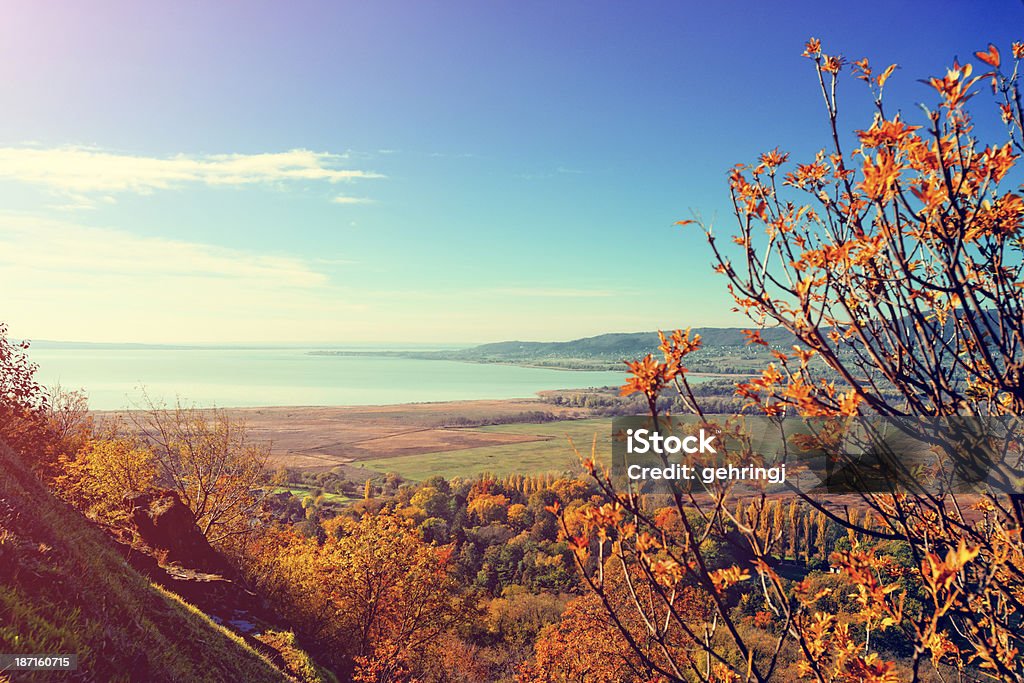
(577, 364)
(724, 352)
(585, 366)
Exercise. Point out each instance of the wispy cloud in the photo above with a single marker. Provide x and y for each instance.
(83, 172)
(58, 248)
(345, 199)
(63, 280)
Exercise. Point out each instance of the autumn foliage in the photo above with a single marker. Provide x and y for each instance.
(22, 399)
(374, 595)
(898, 263)
(894, 257)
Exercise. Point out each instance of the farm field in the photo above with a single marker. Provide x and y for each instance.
(324, 437)
(541, 448)
(310, 438)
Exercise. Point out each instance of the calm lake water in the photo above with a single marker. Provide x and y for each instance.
(113, 378)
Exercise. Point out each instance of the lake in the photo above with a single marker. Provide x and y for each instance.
(114, 377)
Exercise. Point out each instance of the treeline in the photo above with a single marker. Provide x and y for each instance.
(534, 416)
(716, 397)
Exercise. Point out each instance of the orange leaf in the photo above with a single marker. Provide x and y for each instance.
(884, 76)
(754, 337)
(991, 57)
(812, 48)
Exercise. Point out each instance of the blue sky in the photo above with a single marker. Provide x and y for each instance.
(416, 171)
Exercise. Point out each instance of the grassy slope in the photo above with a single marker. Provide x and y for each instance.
(65, 589)
(534, 457)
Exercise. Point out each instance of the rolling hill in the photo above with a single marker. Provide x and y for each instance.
(602, 352)
(612, 346)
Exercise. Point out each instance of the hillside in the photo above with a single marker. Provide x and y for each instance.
(725, 350)
(614, 345)
(64, 589)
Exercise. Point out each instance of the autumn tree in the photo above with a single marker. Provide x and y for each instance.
(103, 469)
(373, 594)
(594, 643)
(896, 263)
(584, 645)
(208, 459)
(489, 507)
(67, 419)
(902, 269)
(22, 399)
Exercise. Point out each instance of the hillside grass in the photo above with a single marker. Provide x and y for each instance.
(64, 589)
(554, 454)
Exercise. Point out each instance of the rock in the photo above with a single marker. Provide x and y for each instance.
(166, 525)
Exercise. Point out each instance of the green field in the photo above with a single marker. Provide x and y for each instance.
(302, 492)
(554, 454)
(551, 455)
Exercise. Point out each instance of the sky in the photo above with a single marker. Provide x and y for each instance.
(435, 172)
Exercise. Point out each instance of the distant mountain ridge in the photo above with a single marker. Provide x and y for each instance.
(617, 345)
(601, 352)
